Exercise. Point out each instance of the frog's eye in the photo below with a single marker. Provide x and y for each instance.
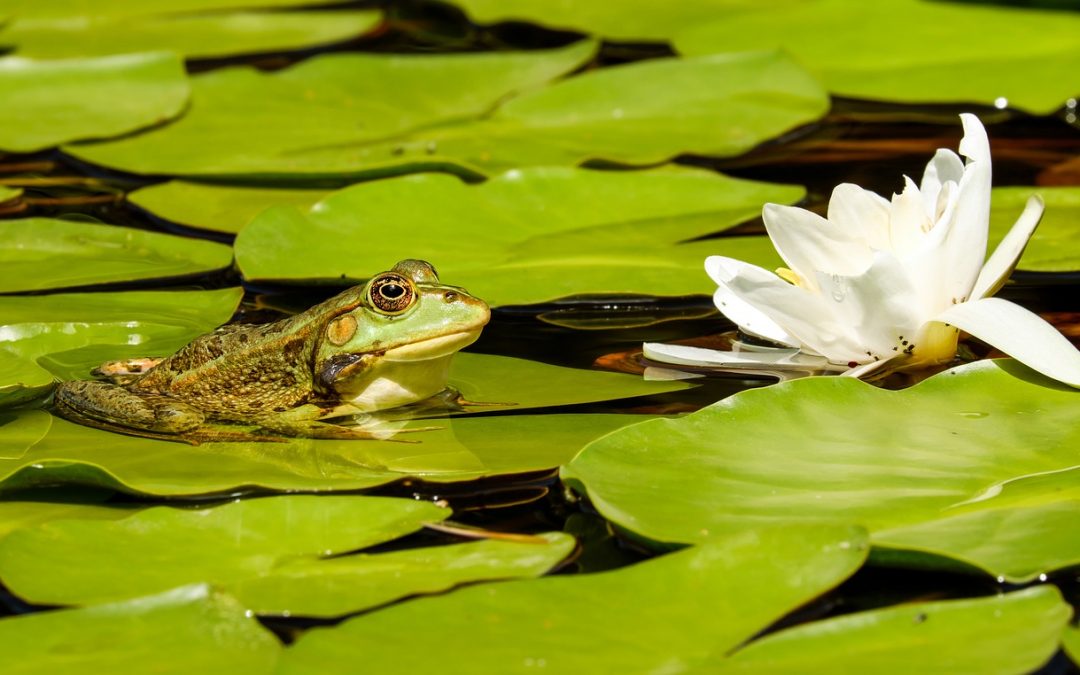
(391, 293)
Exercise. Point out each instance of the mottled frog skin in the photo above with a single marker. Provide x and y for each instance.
(384, 344)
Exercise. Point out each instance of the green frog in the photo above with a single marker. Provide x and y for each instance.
(381, 345)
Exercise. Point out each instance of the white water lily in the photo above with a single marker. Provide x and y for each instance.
(884, 285)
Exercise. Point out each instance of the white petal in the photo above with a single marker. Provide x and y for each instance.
(908, 222)
(974, 145)
(779, 359)
(1004, 258)
(1020, 334)
(808, 243)
(747, 317)
(855, 210)
(945, 167)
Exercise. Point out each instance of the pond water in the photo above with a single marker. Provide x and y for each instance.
(868, 143)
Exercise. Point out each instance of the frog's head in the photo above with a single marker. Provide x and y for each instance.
(394, 347)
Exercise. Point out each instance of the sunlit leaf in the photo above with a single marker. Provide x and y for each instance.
(240, 540)
(222, 208)
(186, 630)
(191, 35)
(126, 8)
(825, 449)
(908, 50)
(21, 379)
(9, 193)
(47, 103)
(1055, 247)
(660, 615)
(375, 115)
(45, 253)
(1071, 642)
(244, 121)
(41, 506)
(524, 236)
(1013, 633)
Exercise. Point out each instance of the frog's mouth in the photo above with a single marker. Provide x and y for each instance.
(432, 348)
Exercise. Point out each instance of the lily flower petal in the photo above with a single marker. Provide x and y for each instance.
(748, 318)
(908, 222)
(945, 167)
(778, 359)
(1004, 258)
(1019, 333)
(807, 242)
(854, 209)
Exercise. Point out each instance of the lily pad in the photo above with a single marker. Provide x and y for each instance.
(221, 208)
(1024, 58)
(525, 236)
(186, 630)
(45, 253)
(191, 35)
(374, 115)
(241, 540)
(1012, 633)
(9, 193)
(1055, 247)
(827, 449)
(67, 334)
(21, 379)
(1071, 642)
(47, 103)
(43, 450)
(123, 8)
(664, 614)
(243, 121)
(55, 505)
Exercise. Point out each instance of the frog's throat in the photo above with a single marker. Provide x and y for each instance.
(432, 348)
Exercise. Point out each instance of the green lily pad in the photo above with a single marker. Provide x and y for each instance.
(660, 615)
(45, 253)
(186, 630)
(67, 334)
(992, 65)
(1070, 640)
(1055, 247)
(825, 449)
(43, 450)
(123, 8)
(370, 116)
(52, 102)
(137, 555)
(9, 193)
(54, 505)
(221, 208)
(627, 20)
(525, 236)
(191, 35)
(244, 121)
(1012, 633)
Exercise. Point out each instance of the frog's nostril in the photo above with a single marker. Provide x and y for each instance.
(450, 296)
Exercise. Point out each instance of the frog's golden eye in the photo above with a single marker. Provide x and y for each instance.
(391, 293)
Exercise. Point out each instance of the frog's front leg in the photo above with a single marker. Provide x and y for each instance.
(115, 405)
(126, 370)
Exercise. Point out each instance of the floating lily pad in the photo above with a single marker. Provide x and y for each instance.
(827, 449)
(125, 8)
(1026, 58)
(243, 121)
(1055, 247)
(67, 334)
(241, 540)
(524, 236)
(47, 103)
(375, 115)
(222, 208)
(56, 505)
(1013, 633)
(43, 450)
(1071, 642)
(45, 253)
(186, 630)
(191, 35)
(657, 615)
(9, 193)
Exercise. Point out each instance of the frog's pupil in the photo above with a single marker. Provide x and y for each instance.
(391, 291)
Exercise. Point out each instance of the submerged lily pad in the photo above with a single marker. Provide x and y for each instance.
(1025, 58)
(47, 103)
(653, 616)
(186, 630)
(902, 463)
(67, 334)
(221, 208)
(1055, 247)
(1012, 633)
(43, 450)
(525, 236)
(46, 253)
(215, 34)
(375, 115)
(237, 541)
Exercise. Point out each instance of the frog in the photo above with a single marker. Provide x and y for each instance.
(381, 345)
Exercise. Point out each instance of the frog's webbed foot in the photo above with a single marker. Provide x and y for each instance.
(125, 370)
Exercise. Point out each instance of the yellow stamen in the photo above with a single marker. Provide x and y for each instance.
(788, 276)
